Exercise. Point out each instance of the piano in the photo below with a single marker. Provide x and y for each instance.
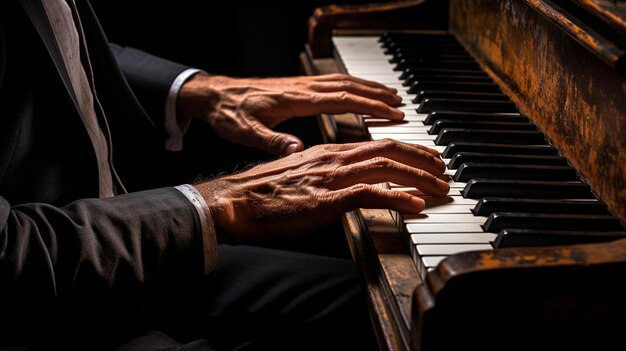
(526, 101)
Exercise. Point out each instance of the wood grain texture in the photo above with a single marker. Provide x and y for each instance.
(569, 298)
(612, 12)
(576, 99)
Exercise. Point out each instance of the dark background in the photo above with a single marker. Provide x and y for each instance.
(232, 37)
(240, 38)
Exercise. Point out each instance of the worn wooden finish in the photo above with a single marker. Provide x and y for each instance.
(397, 275)
(610, 11)
(531, 298)
(382, 312)
(590, 38)
(389, 15)
(578, 100)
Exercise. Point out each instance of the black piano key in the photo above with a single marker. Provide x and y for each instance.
(489, 205)
(473, 116)
(463, 157)
(456, 147)
(478, 188)
(435, 61)
(472, 170)
(458, 95)
(431, 71)
(412, 40)
(449, 135)
(441, 124)
(442, 76)
(536, 237)
(431, 104)
(423, 85)
(452, 64)
(400, 55)
(514, 220)
(422, 45)
(391, 36)
(394, 49)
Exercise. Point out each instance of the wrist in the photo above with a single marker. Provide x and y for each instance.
(220, 206)
(197, 96)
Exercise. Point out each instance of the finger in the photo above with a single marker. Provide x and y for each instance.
(416, 156)
(339, 102)
(371, 196)
(343, 77)
(277, 144)
(384, 143)
(355, 88)
(380, 169)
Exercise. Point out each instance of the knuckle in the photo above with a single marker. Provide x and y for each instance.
(385, 144)
(274, 140)
(380, 162)
(359, 190)
(343, 96)
(346, 84)
(338, 172)
(419, 172)
(340, 76)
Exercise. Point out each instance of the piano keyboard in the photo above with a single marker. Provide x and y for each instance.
(508, 186)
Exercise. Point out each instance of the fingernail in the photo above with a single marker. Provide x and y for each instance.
(291, 148)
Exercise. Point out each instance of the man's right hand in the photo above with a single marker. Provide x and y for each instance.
(294, 195)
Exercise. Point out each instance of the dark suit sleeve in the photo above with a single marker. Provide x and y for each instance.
(149, 76)
(129, 250)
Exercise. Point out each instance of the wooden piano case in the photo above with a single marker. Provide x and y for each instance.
(562, 63)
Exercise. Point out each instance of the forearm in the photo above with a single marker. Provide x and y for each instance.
(132, 248)
(149, 76)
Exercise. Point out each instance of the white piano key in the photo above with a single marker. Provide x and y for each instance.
(453, 238)
(452, 193)
(457, 185)
(383, 78)
(441, 250)
(369, 68)
(347, 42)
(381, 122)
(400, 130)
(432, 261)
(447, 209)
(452, 184)
(414, 228)
(402, 136)
(421, 218)
(407, 118)
(449, 200)
(408, 108)
(427, 143)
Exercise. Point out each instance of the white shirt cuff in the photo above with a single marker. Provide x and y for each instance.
(209, 238)
(176, 127)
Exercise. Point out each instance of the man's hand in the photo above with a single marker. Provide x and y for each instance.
(295, 194)
(243, 111)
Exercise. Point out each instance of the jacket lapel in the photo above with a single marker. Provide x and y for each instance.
(37, 15)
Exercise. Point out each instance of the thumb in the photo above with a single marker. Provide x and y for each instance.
(277, 144)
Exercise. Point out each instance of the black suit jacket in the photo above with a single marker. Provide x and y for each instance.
(61, 246)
